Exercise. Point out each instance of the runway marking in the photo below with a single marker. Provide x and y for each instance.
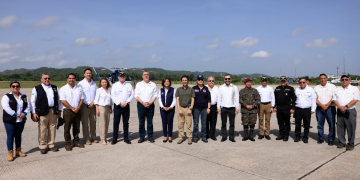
(214, 162)
(317, 168)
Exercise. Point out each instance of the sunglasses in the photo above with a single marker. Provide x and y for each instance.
(200, 80)
(14, 86)
(47, 78)
(227, 79)
(211, 81)
(302, 82)
(344, 79)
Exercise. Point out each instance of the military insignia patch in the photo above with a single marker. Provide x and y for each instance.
(25, 100)
(204, 90)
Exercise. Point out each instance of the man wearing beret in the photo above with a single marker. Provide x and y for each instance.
(249, 99)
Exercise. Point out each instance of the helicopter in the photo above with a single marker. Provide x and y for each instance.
(113, 77)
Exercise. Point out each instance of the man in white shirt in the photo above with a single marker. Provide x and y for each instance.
(211, 118)
(325, 109)
(267, 105)
(88, 109)
(228, 106)
(145, 94)
(122, 95)
(72, 97)
(345, 98)
(305, 105)
(46, 109)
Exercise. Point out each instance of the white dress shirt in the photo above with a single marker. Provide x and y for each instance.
(266, 94)
(102, 98)
(305, 98)
(49, 94)
(146, 91)
(72, 95)
(345, 96)
(173, 101)
(325, 94)
(214, 94)
(228, 96)
(5, 105)
(89, 90)
(121, 93)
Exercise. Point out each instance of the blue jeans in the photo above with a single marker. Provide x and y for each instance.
(329, 114)
(147, 113)
(203, 113)
(14, 131)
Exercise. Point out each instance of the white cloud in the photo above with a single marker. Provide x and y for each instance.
(142, 46)
(322, 43)
(201, 37)
(5, 54)
(319, 55)
(208, 58)
(154, 58)
(300, 30)
(46, 23)
(4, 46)
(8, 21)
(249, 41)
(245, 52)
(213, 45)
(261, 54)
(297, 61)
(64, 62)
(8, 59)
(85, 42)
(50, 57)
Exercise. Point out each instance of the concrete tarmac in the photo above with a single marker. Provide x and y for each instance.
(262, 159)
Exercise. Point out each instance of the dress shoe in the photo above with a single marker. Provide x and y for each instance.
(170, 141)
(88, 143)
(297, 139)
(151, 140)
(195, 140)
(279, 138)
(127, 141)
(204, 140)
(267, 137)
(245, 138)
(43, 151)
(286, 138)
(214, 138)
(189, 141)
(320, 141)
(223, 139)
(96, 141)
(310, 126)
(79, 145)
(113, 142)
(340, 146)
(207, 137)
(232, 139)
(180, 141)
(10, 155)
(261, 137)
(54, 149)
(305, 141)
(141, 140)
(330, 143)
(68, 147)
(164, 141)
(19, 153)
(349, 147)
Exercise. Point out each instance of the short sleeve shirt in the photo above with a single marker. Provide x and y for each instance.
(185, 96)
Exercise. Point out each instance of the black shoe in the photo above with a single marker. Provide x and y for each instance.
(223, 139)
(113, 142)
(286, 138)
(232, 139)
(260, 137)
(170, 141)
(331, 143)
(279, 138)
(151, 140)
(127, 141)
(305, 141)
(195, 140)
(251, 135)
(207, 137)
(204, 140)
(267, 137)
(320, 141)
(214, 138)
(141, 140)
(310, 126)
(164, 141)
(297, 139)
(245, 138)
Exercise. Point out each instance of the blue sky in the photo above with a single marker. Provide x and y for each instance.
(233, 36)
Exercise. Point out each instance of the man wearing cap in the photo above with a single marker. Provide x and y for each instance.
(212, 116)
(249, 99)
(122, 95)
(266, 107)
(285, 105)
(228, 106)
(325, 109)
(145, 94)
(345, 98)
(305, 105)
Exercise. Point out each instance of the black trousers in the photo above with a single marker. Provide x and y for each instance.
(305, 115)
(211, 120)
(283, 117)
(228, 112)
(125, 113)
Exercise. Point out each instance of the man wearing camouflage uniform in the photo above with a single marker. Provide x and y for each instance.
(249, 99)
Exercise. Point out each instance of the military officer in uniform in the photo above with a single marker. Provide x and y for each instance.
(284, 105)
(249, 99)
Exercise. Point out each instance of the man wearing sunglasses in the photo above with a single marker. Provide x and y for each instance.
(305, 105)
(345, 98)
(212, 116)
(228, 106)
(46, 109)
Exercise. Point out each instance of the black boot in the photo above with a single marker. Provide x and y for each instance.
(246, 134)
(251, 135)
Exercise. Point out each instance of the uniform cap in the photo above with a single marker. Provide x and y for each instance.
(283, 78)
(263, 78)
(122, 73)
(247, 80)
(200, 77)
(344, 75)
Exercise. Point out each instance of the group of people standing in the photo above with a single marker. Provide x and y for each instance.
(86, 102)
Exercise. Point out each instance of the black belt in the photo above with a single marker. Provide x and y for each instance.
(265, 103)
(51, 107)
(185, 106)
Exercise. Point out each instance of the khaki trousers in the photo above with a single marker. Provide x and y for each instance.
(264, 110)
(104, 119)
(182, 119)
(47, 130)
(88, 115)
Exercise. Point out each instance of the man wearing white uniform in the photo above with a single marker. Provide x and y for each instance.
(145, 94)
(88, 110)
(266, 107)
(305, 105)
(72, 97)
(345, 98)
(325, 109)
(211, 118)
